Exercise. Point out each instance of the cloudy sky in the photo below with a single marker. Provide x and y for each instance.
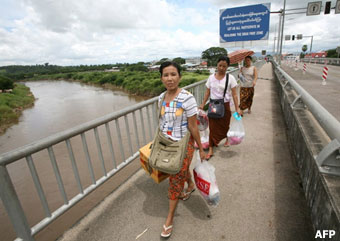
(73, 32)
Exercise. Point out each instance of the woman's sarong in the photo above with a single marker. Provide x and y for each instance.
(219, 127)
(246, 97)
(177, 181)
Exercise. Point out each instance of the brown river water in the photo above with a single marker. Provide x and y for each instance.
(61, 105)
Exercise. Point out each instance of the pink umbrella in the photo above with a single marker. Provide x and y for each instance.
(239, 55)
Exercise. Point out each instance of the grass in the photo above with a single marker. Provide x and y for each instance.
(12, 104)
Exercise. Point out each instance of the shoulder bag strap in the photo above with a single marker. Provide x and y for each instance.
(226, 85)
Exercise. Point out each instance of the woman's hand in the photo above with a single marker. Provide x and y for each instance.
(202, 155)
(254, 83)
(201, 107)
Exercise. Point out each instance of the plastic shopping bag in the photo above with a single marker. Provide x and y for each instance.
(236, 131)
(204, 139)
(202, 120)
(205, 179)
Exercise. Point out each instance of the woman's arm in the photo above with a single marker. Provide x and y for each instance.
(193, 128)
(235, 98)
(255, 76)
(206, 97)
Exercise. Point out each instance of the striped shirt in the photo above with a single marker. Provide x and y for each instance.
(173, 121)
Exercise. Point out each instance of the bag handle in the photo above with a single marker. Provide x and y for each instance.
(226, 85)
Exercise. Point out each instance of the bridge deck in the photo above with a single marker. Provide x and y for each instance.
(261, 198)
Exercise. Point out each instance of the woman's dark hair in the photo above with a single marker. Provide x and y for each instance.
(170, 63)
(224, 58)
(249, 57)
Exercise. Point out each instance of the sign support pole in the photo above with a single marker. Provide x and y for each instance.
(283, 25)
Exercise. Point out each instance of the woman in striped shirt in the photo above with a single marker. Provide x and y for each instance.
(178, 115)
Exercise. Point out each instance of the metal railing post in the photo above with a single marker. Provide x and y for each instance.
(12, 204)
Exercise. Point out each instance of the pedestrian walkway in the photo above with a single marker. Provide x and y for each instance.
(261, 196)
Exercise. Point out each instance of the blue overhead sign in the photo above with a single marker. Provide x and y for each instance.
(248, 23)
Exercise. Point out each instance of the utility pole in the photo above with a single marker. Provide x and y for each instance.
(274, 39)
(283, 25)
(279, 35)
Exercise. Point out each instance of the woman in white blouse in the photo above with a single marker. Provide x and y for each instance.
(218, 128)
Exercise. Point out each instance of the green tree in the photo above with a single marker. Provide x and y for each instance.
(212, 54)
(304, 49)
(6, 83)
(179, 60)
(331, 53)
(162, 60)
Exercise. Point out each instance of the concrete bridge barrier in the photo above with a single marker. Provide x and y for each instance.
(306, 140)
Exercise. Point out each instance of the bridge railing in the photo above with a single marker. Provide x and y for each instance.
(331, 61)
(133, 126)
(328, 160)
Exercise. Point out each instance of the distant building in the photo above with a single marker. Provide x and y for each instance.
(291, 56)
(154, 67)
(322, 54)
(204, 64)
(193, 60)
(113, 69)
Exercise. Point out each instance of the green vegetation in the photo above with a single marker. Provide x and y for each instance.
(20, 72)
(6, 83)
(135, 82)
(212, 54)
(12, 104)
(179, 60)
(331, 53)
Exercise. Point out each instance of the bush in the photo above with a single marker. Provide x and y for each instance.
(6, 83)
(104, 79)
(187, 81)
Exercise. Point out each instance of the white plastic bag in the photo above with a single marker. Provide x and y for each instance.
(202, 120)
(236, 131)
(204, 139)
(205, 179)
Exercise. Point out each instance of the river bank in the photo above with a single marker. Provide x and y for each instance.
(139, 83)
(12, 104)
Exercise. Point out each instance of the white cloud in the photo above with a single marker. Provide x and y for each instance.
(95, 32)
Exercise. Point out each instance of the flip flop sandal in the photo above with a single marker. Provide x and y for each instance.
(209, 156)
(166, 235)
(187, 195)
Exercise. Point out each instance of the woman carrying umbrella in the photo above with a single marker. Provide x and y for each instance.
(248, 82)
(215, 89)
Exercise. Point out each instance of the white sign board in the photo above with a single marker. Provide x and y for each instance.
(314, 8)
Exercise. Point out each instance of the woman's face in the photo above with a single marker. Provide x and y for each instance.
(170, 77)
(222, 67)
(247, 61)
